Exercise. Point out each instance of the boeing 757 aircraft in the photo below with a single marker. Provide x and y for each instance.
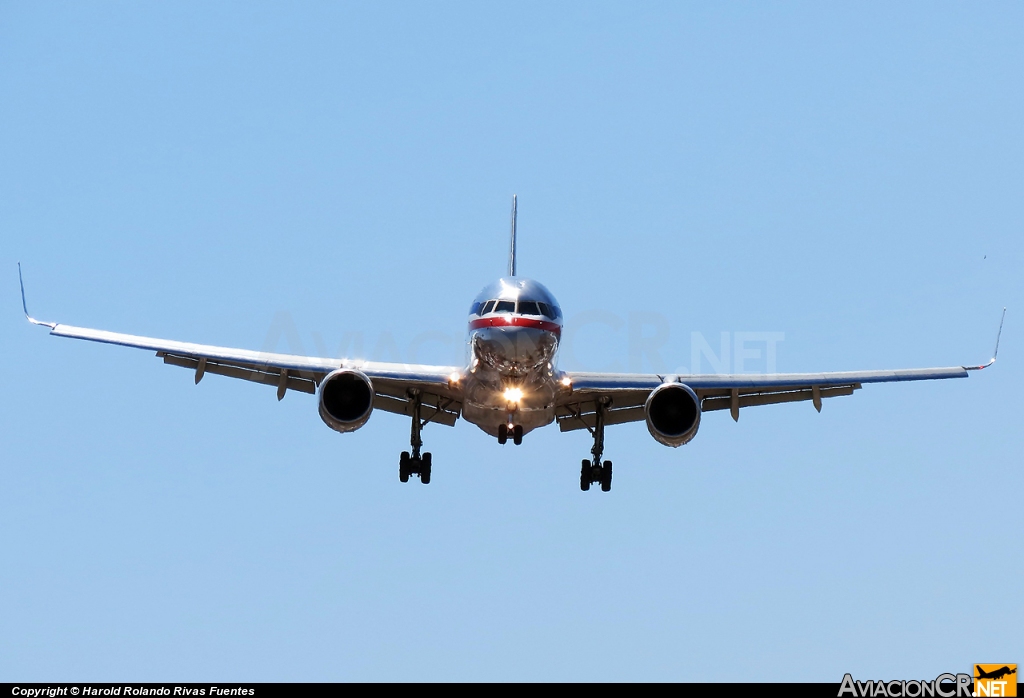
(511, 384)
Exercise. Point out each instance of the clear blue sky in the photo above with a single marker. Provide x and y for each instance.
(847, 175)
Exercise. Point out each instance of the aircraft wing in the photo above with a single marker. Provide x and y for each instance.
(441, 397)
(624, 394)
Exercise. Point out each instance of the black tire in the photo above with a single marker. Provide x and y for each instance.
(403, 467)
(606, 476)
(517, 434)
(502, 434)
(585, 476)
(425, 469)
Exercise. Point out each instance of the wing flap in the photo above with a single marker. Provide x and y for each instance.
(398, 388)
(300, 381)
(434, 409)
(750, 398)
(586, 417)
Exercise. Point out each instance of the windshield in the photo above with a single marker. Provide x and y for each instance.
(528, 308)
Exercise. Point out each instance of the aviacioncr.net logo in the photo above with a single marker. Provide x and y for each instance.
(995, 680)
(943, 686)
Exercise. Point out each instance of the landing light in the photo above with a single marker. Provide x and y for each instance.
(567, 381)
(454, 378)
(513, 394)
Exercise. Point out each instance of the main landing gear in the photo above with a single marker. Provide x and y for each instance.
(505, 431)
(594, 470)
(415, 463)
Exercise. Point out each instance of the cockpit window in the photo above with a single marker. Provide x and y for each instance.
(525, 308)
(528, 308)
(549, 310)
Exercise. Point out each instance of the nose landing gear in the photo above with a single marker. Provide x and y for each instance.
(594, 470)
(505, 431)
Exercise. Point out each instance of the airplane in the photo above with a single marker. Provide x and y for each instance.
(995, 674)
(511, 384)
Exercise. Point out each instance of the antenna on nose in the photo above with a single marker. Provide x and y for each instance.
(512, 246)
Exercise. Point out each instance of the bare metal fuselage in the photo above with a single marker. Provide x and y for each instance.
(514, 329)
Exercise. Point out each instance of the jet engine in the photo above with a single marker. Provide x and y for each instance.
(346, 400)
(673, 414)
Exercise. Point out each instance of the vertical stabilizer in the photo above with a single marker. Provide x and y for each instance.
(512, 246)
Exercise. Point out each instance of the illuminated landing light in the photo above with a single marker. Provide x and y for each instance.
(567, 381)
(454, 377)
(513, 394)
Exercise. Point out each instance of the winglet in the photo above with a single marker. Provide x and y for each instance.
(24, 307)
(995, 353)
(512, 246)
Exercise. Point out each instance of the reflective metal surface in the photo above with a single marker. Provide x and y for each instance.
(512, 379)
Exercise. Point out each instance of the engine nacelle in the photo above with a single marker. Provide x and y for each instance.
(346, 400)
(673, 413)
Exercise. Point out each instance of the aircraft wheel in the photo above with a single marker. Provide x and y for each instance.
(403, 467)
(502, 434)
(606, 476)
(585, 476)
(425, 469)
(517, 434)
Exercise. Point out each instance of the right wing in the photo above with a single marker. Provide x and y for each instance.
(393, 384)
(440, 395)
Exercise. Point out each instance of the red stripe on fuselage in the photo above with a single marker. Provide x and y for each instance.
(515, 321)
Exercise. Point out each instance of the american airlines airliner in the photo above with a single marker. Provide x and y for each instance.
(511, 384)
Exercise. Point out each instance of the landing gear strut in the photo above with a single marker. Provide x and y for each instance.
(594, 470)
(415, 463)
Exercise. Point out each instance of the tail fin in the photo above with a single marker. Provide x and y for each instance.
(512, 246)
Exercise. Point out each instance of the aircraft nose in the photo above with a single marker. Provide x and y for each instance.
(514, 350)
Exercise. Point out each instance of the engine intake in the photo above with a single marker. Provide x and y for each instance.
(673, 414)
(346, 400)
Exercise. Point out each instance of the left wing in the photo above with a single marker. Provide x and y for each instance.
(623, 395)
(440, 395)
